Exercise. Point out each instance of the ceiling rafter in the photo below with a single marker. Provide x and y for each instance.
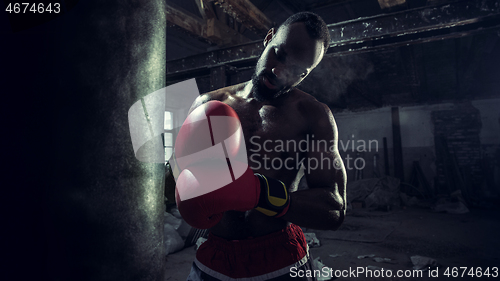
(414, 26)
(246, 13)
(387, 4)
(210, 29)
(184, 20)
(206, 8)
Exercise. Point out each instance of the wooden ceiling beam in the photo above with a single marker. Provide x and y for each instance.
(189, 23)
(206, 9)
(223, 34)
(210, 30)
(387, 31)
(246, 13)
(387, 4)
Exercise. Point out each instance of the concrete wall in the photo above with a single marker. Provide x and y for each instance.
(364, 128)
(417, 136)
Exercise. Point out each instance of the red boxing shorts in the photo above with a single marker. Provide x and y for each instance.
(268, 257)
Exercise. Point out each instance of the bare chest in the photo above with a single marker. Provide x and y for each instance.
(266, 123)
(271, 137)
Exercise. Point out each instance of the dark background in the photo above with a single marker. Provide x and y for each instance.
(77, 204)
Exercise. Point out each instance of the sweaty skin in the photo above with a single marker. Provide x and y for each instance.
(271, 109)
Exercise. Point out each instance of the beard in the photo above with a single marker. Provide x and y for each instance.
(262, 93)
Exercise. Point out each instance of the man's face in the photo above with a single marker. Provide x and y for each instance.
(289, 56)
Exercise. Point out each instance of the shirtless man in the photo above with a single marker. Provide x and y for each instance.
(272, 112)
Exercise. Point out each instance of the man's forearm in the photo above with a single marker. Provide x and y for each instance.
(316, 208)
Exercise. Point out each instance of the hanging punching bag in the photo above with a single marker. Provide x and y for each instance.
(104, 211)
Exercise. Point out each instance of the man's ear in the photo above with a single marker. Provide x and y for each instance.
(269, 36)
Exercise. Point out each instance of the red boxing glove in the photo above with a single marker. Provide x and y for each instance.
(206, 210)
(211, 132)
(211, 155)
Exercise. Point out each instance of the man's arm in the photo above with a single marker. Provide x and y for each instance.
(323, 205)
(171, 171)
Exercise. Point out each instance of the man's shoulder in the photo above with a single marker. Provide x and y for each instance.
(309, 105)
(317, 115)
(221, 94)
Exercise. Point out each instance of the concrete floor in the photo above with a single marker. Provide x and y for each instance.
(466, 240)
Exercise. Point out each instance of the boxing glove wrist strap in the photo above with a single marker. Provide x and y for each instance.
(274, 200)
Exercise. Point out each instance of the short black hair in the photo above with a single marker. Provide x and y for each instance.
(315, 26)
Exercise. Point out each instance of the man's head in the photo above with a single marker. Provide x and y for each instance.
(291, 52)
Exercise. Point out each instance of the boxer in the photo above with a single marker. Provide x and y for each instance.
(255, 221)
